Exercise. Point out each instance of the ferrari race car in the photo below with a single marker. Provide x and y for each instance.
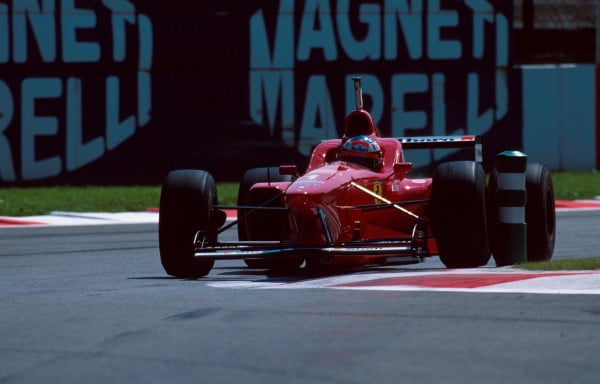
(356, 205)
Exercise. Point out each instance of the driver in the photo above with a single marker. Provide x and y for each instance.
(362, 150)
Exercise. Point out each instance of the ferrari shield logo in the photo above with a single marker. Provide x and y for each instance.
(378, 189)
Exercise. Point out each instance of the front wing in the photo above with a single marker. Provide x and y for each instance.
(267, 250)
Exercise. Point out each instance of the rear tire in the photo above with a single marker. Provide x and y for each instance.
(540, 213)
(186, 202)
(270, 226)
(458, 214)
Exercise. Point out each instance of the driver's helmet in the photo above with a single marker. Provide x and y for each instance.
(362, 150)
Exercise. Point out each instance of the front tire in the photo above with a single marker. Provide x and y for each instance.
(270, 223)
(186, 202)
(458, 214)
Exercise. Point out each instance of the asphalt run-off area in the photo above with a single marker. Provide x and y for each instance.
(84, 302)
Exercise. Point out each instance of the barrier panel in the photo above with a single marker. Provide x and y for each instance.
(121, 91)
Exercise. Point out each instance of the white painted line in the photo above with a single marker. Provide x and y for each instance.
(58, 218)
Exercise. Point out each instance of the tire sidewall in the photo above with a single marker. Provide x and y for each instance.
(540, 213)
(187, 198)
(458, 214)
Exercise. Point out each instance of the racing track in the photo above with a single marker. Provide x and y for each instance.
(92, 304)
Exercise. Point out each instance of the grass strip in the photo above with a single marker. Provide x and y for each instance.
(42, 200)
(576, 185)
(592, 263)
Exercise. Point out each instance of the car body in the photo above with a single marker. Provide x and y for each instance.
(340, 209)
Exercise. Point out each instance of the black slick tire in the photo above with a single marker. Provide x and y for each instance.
(458, 214)
(270, 229)
(186, 201)
(540, 213)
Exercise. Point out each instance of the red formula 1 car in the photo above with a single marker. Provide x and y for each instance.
(354, 206)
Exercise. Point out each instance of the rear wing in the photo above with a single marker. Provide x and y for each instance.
(437, 142)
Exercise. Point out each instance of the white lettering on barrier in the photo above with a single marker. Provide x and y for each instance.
(33, 126)
(483, 12)
(78, 153)
(369, 47)
(4, 34)
(438, 19)
(317, 108)
(123, 13)
(411, 23)
(271, 73)
(410, 33)
(402, 85)
(477, 124)
(42, 22)
(403, 119)
(29, 24)
(438, 116)
(282, 56)
(117, 131)
(74, 19)
(144, 105)
(317, 12)
(7, 169)
(270, 89)
(40, 17)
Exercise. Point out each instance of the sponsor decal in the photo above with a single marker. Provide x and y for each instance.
(56, 57)
(378, 189)
(429, 67)
(77, 80)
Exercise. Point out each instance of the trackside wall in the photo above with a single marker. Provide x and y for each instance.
(559, 115)
(121, 91)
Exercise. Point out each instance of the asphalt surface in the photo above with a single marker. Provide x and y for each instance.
(92, 304)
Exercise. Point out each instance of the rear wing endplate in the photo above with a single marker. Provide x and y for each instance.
(437, 142)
